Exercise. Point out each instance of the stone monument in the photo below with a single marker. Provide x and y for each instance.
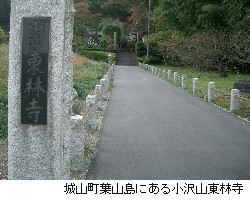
(40, 87)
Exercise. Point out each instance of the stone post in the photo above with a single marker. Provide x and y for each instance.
(98, 96)
(184, 81)
(115, 39)
(175, 78)
(195, 85)
(164, 74)
(40, 86)
(91, 116)
(106, 83)
(211, 96)
(234, 104)
(169, 75)
(77, 144)
(109, 76)
(161, 75)
(103, 88)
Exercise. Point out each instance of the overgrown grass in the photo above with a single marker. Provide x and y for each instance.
(87, 77)
(221, 83)
(3, 89)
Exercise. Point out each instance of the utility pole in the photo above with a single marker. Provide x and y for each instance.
(149, 25)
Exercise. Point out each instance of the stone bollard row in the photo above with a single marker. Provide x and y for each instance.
(94, 102)
(234, 104)
(154, 70)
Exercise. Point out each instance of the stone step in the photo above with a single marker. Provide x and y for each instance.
(126, 58)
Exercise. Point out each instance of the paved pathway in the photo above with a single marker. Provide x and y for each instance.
(154, 130)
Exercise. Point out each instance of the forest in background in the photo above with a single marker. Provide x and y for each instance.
(206, 34)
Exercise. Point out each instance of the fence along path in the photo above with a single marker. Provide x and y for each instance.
(229, 101)
(155, 130)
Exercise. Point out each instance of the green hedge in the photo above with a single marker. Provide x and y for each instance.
(99, 56)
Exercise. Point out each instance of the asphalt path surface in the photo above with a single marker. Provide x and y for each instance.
(153, 130)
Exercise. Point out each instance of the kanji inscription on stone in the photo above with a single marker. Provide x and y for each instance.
(34, 75)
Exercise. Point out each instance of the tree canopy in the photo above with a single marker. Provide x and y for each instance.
(115, 11)
(190, 16)
(203, 33)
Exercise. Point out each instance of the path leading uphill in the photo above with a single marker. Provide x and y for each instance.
(154, 130)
